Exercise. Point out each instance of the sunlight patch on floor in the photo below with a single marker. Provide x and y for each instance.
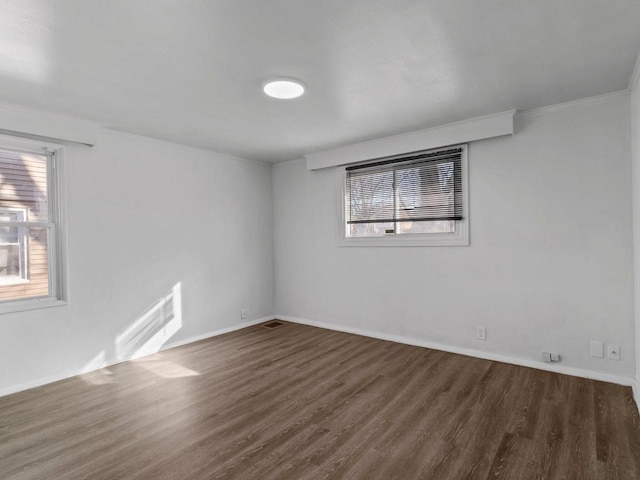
(166, 368)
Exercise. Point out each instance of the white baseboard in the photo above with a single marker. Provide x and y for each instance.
(605, 377)
(216, 333)
(98, 366)
(523, 362)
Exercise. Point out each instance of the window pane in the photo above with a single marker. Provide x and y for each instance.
(23, 185)
(418, 193)
(408, 185)
(24, 271)
(370, 196)
(444, 226)
(10, 260)
(8, 235)
(426, 191)
(369, 229)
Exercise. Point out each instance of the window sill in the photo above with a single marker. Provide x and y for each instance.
(13, 306)
(406, 241)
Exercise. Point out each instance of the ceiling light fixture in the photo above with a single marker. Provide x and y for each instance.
(284, 88)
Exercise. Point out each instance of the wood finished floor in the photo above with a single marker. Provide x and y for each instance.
(299, 403)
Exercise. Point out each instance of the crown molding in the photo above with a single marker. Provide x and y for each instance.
(534, 112)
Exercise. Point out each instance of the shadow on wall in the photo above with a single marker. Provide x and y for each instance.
(155, 326)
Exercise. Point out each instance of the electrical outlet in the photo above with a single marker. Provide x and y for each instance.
(613, 352)
(597, 349)
(481, 333)
(243, 313)
(549, 357)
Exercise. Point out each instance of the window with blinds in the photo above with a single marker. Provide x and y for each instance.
(418, 193)
(27, 225)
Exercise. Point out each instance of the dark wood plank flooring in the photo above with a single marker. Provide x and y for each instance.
(298, 402)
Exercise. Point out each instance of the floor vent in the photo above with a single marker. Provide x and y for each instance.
(273, 324)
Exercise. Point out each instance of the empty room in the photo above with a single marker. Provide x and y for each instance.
(305, 240)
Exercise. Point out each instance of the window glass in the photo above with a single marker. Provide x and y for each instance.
(419, 198)
(24, 225)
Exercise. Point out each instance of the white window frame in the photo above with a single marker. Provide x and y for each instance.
(459, 238)
(56, 252)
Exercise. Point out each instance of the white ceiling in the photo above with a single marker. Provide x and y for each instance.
(191, 71)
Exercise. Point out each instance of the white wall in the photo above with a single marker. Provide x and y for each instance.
(549, 266)
(144, 215)
(550, 261)
(635, 159)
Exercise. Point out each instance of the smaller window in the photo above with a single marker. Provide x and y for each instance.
(414, 199)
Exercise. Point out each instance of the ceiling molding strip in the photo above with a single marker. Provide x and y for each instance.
(477, 128)
(26, 121)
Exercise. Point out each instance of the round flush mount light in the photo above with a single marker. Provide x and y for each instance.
(284, 88)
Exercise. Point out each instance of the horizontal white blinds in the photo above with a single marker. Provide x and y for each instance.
(423, 186)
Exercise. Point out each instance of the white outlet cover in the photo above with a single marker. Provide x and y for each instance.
(613, 352)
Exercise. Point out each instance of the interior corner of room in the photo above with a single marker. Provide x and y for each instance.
(157, 194)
